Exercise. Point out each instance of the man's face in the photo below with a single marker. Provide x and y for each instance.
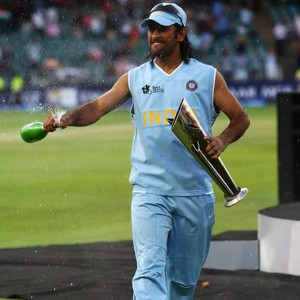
(161, 39)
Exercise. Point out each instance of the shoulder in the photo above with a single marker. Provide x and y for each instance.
(198, 64)
(139, 72)
(142, 67)
(200, 69)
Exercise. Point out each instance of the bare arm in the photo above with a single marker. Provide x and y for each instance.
(238, 119)
(92, 111)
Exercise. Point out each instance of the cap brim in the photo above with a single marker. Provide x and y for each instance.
(158, 19)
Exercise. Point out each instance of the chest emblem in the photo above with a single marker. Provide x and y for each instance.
(191, 85)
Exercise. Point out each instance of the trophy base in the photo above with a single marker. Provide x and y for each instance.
(230, 201)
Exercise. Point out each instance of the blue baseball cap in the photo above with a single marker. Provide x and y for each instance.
(166, 14)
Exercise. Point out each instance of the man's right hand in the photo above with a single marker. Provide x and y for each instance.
(51, 124)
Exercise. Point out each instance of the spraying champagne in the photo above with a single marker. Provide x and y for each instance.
(33, 132)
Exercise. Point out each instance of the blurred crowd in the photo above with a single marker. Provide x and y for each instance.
(105, 39)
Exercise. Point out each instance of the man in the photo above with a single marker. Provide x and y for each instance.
(173, 200)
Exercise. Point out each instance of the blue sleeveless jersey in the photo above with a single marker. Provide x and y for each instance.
(160, 163)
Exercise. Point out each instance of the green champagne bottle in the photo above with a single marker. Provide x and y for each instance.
(33, 132)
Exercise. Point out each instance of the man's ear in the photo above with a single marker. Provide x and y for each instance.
(180, 36)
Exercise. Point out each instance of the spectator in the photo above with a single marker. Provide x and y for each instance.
(240, 61)
(6, 72)
(52, 27)
(195, 42)
(225, 64)
(272, 69)
(297, 25)
(16, 87)
(95, 24)
(297, 63)
(222, 27)
(297, 75)
(114, 20)
(6, 22)
(297, 53)
(6, 60)
(217, 8)
(4, 90)
(94, 53)
(34, 53)
(38, 21)
(127, 27)
(131, 31)
(256, 66)
(206, 40)
(134, 35)
(78, 24)
(50, 64)
(245, 19)
(20, 11)
(2, 84)
(280, 31)
(120, 64)
(46, 73)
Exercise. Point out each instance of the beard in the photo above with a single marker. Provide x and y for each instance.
(159, 55)
(164, 52)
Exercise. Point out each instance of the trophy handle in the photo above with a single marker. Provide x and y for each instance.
(224, 181)
(218, 172)
(188, 130)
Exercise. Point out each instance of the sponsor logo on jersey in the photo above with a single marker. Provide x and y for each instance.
(148, 89)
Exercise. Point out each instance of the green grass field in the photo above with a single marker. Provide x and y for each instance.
(72, 187)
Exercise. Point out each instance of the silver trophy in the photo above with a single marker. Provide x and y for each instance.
(187, 128)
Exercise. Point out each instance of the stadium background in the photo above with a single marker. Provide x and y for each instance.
(70, 188)
(83, 46)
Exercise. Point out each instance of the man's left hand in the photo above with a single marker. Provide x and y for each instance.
(215, 147)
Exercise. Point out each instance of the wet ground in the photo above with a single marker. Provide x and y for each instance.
(103, 271)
